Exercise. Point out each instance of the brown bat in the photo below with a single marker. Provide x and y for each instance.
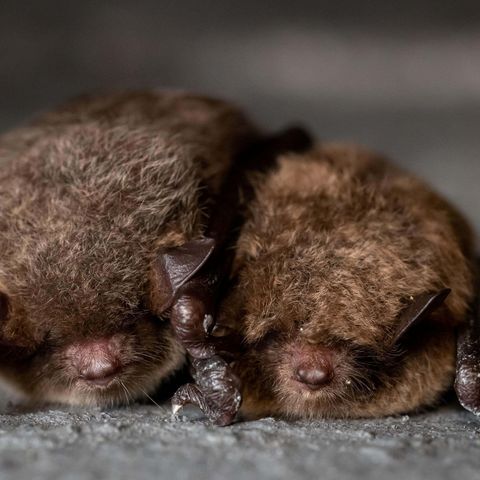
(92, 195)
(351, 281)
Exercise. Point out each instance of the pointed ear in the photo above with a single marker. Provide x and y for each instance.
(420, 308)
(173, 267)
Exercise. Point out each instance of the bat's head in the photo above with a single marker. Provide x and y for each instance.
(84, 342)
(95, 340)
(82, 219)
(75, 357)
(342, 291)
(89, 193)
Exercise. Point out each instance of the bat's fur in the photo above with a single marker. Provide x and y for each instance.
(88, 193)
(334, 246)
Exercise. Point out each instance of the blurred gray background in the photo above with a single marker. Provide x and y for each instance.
(402, 77)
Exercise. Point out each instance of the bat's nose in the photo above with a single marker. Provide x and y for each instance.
(96, 362)
(314, 376)
(100, 373)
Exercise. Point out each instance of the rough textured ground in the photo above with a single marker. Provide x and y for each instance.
(146, 442)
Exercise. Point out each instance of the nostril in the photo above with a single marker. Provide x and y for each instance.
(314, 377)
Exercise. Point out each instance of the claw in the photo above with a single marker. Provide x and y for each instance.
(176, 408)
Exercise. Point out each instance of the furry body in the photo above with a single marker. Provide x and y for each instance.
(88, 194)
(335, 244)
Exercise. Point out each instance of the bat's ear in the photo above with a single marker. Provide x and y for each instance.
(419, 308)
(467, 381)
(173, 267)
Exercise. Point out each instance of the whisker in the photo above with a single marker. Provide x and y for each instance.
(149, 397)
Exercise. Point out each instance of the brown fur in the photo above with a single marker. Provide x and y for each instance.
(88, 194)
(334, 245)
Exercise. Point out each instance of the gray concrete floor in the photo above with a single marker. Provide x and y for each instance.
(146, 442)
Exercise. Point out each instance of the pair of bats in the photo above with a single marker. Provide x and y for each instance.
(142, 229)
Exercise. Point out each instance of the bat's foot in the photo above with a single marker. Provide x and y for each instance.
(467, 382)
(216, 393)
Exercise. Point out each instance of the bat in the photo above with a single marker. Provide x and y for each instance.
(351, 282)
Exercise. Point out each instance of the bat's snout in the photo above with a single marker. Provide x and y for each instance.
(312, 366)
(96, 362)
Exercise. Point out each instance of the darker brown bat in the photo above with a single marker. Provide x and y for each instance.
(114, 218)
(91, 194)
(351, 281)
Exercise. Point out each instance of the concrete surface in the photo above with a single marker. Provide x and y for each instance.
(145, 442)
